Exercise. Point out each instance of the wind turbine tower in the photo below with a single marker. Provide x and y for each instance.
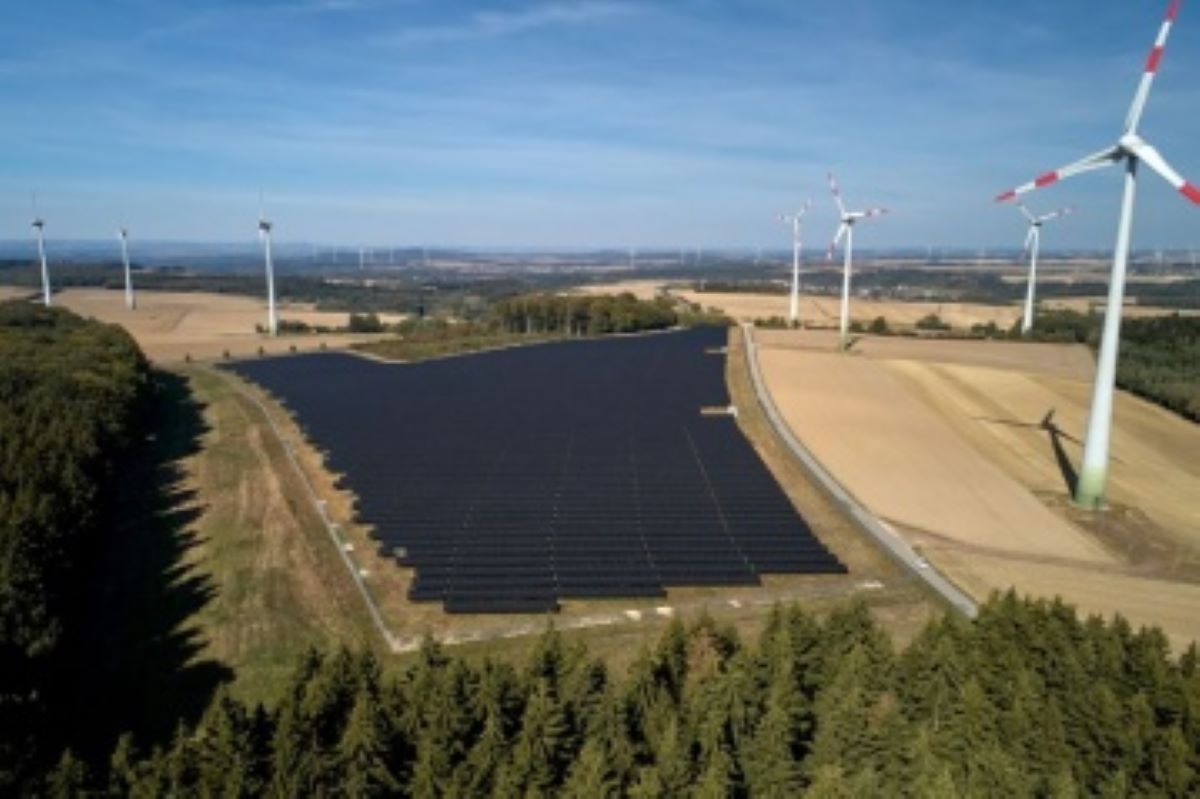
(264, 232)
(795, 221)
(1130, 150)
(38, 226)
(846, 231)
(1033, 240)
(123, 236)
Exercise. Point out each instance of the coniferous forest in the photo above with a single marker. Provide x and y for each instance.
(70, 392)
(1026, 700)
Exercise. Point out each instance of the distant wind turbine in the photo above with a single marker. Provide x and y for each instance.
(264, 232)
(1131, 150)
(846, 230)
(39, 225)
(123, 235)
(795, 221)
(1033, 241)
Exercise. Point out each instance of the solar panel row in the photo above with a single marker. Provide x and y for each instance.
(514, 479)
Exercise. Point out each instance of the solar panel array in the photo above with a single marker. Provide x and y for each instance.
(511, 480)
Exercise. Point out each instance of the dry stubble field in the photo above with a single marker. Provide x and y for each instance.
(955, 445)
(170, 326)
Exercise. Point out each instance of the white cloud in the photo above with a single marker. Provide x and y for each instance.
(496, 24)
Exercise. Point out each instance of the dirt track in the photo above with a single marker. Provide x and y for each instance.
(170, 326)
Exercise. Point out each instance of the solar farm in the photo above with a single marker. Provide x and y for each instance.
(512, 480)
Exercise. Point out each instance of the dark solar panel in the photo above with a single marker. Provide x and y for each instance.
(514, 479)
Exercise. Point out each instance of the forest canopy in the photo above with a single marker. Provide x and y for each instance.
(69, 394)
(1026, 700)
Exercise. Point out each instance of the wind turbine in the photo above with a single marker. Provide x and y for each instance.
(846, 230)
(1131, 150)
(795, 221)
(264, 232)
(123, 235)
(1033, 241)
(38, 225)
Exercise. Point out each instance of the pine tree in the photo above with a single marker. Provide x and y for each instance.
(227, 755)
(592, 775)
(672, 771)
(362, 751)
(845, 722)
(541, 750)
(68, 779)
(771, 758)
(122, 769)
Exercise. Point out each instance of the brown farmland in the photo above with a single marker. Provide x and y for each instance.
(966, 449)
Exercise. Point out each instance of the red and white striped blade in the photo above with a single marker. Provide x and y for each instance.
(1151, 158)
(1152, 63)
(837, 193)
(1099, 160)
(841, 232)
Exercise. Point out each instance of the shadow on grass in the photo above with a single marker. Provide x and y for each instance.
(133, 663)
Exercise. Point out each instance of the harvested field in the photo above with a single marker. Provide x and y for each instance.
(1070, 361)
(1156, 463)
(169, 326)
(1130, 310)
(969, 456)
(824, 310)
(907, 464)
(642, 289)
(1144, 601)
(14, 292)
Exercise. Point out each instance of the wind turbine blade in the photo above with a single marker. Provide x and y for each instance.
(837, 194)
(837, 240)
(1056, 214)
(804, 208)
(1151, 158)
(1152, 64)
(1025, 211)
(870, 212)
(1106, 157)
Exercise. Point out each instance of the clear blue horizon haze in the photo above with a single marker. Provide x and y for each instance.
(547, 123)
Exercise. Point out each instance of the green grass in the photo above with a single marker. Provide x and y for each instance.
(423, 347)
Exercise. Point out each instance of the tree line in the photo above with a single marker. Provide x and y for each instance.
(577, 315)
(70, 392)
(1159, 357)
(1027, 700)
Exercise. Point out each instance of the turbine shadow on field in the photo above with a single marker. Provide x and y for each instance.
(134, 664)
(1057, 434)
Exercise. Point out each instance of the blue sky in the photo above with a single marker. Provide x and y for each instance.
(597, 122)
